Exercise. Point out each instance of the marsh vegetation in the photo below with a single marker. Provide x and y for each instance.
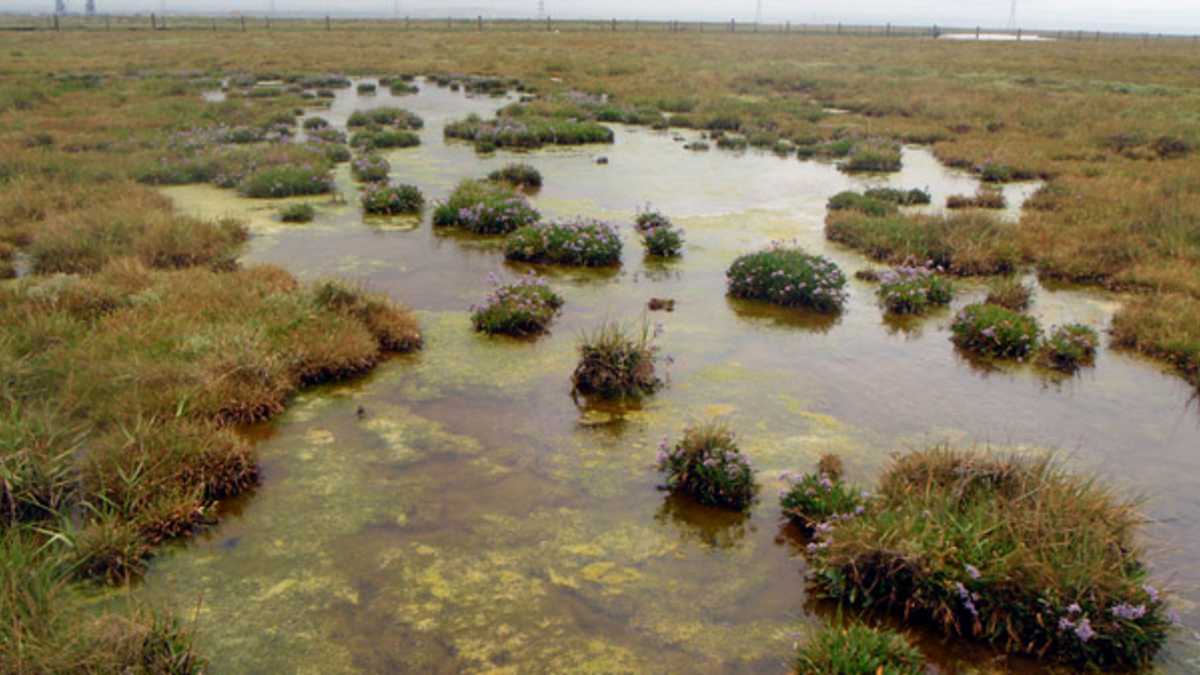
(139, 341)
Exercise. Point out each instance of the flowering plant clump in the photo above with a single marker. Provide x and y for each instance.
(875, 155)
(615, 362)
(663, 242)
(820, 497)
(786, 275)
(707, 464)
(913, 290)
(580, 241)
(371, 168)
(853, 201)
(519, 175)
(485, 208)
(994, 331)
(648, 220)
(521, 308)
(1069, 347)
(989, 547)
(286, 180)
(391, 199)
(530, 131)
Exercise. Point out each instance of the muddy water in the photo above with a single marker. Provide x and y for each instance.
(476, 519)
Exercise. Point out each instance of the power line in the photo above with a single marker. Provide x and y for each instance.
(758, 13)
(1012, 15)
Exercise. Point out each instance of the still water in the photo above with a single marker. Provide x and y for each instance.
(476, 519)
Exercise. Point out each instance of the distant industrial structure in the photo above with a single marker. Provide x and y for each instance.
(90, 8)
(60, 7)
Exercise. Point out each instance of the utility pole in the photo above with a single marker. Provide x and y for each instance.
(60, 7)
(541, 9)
(89, 8)
(757, 14)
(1012, 15)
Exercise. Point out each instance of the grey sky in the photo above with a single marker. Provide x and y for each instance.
(1175, 16)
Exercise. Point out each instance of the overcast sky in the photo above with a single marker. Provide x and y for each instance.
(1176, 16)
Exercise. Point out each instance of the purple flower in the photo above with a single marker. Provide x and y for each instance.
(1129, 612)
(973, 571)
(1084, 630)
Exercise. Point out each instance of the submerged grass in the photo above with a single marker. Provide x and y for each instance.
(1010, 550)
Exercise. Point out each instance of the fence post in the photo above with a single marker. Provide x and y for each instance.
(214, 25)
(480, 21)
(614, 25)
(243, 18)
(1018, 35)
(268, 20)
(153, 22)
(327, 27)
(547, 24)
(887, 32)
(787, 27)
(733, 25)
(407, 26)
(107, 26)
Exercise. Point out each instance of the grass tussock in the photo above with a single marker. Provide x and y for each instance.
(982, 199)
(527, 131)
(1067, 348)
(1010, 550)
(856, 649)
(518, 175)
(963, 244)
(617, 362)
(1166, 327)
(1011, 293)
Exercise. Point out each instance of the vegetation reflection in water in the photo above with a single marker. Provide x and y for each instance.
(473, 518)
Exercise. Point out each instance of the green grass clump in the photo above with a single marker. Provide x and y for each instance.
(484, 207)
(366, 88)
(616, 362)
(820, 497)
(528, 131)
(297, 213)
(664, 241)
(383, 139)
(872, 156)
(386, 117)
(854, 201)
(1068, 347)
(788, 276)
(1009, 550)
(524, 307)
(983, 199)
(328, 134)
(1011, 293)
(370, 169)
(707, 465)
(913, 197)
(518, 175)
(966, 244)
(857, 650)
(315, 123)
(1166, 327)
(391, 199)
(991, 330)
(913, 290)
(286, 181)
(580, 241)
